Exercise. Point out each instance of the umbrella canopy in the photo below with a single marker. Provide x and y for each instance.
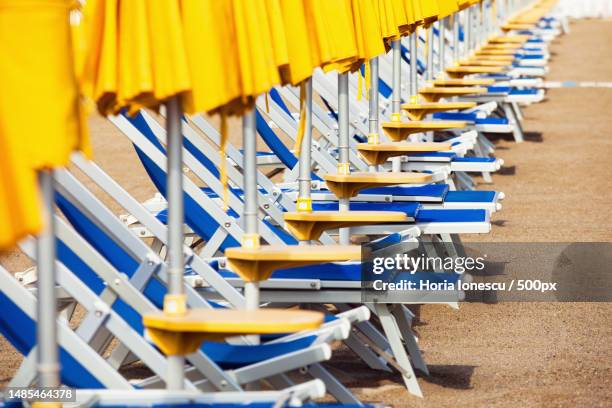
(218, 55)
(463, 4)
(430, 11)
(19, 200)
(301, 55)
(340, 33)
(367, 29)
(447, 8)
(398, 18)
(41, 116)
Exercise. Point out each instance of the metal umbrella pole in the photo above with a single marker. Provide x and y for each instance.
(430, 54)
(413, 86)
(492, 18)
(343, 146)
(251, 232)
(456, 40)
(373, 114)
(304, 202)
(175, 301)
(414, 77)
(46, 331)
(471, 32)
(441, 46)
(396, 98)
(478, 25)
(467, 32)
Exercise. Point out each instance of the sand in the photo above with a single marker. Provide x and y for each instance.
(558, 186)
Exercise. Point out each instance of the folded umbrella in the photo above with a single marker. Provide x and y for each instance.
(37, 77)
(447, 8)
(300, 53)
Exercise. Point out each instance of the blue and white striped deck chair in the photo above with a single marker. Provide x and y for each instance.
(82, 366)
(157, 174)
(456, 161)
(243, 363)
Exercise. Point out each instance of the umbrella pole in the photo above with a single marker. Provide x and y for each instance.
(456, 42)
(414, 61)
(343, 146)
(396, 101)
(477, 27)
(373, 136)
(468, 33)
(250, 238)
(175, 301)
(304, 202)
(46, 332)
(441, 47)
(396, 97)
(430, 55)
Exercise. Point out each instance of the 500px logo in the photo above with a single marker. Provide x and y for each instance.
(413, 264)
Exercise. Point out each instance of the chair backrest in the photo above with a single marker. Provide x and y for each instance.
(158, 177)
(154, 290)
(197, 217)
(19, 328)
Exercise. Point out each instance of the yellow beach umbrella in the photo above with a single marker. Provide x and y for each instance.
(19, 199)
(41, 120)
(447, 8)
(367, 29)
(389, 28)
(430, 10)
(370, 43)
(258, 68)
(338, 15)
(463, 4)
(36, 34)
(213, 66)
(417, 11)
(403, 17)
(280, 44)
(133, 62)
(216, 54)
(300, 53)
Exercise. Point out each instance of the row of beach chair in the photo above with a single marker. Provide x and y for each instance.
(234, 285)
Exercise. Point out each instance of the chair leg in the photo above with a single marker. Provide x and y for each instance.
(389, 324)
(280, 381)
(333, 386)
(486, 176)
(510, 115)
(517, 111)
(405, 326)
(371, 359)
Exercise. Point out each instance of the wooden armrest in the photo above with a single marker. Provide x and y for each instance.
(377, 154)
(307, 226)
(257, 264)
(517, 26)
(508, 53)
(418, 111)
(486, 62)
(462, 82)
(512, 39)
(434, 94)
(398, 131)
(349, 185)
(502, 46)
(460, 72)
(183, 334)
